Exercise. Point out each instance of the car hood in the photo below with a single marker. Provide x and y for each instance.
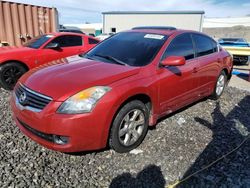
(64, 80)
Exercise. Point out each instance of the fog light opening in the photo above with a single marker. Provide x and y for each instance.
(60, 139)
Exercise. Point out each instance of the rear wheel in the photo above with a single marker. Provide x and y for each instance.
(220, 85)
(129, 127)
(10, 73)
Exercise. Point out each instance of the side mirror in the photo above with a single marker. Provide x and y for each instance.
(53, 46)
(173, 61)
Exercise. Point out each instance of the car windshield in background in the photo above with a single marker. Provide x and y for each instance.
(231, 40)
(130, 48)
(37, 42)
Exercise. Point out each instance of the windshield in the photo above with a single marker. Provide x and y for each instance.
(131, 48)
(232, 40)
(37, 42)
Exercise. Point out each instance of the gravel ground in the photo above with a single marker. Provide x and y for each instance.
(179, 145)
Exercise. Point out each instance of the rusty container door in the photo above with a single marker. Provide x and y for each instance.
(21, 22)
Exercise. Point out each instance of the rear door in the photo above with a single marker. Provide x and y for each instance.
(209, 60)
(177, 83)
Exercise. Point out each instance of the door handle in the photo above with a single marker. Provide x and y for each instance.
(195, 70)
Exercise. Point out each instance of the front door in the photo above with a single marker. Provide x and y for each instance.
(177, 83)
(69, 45)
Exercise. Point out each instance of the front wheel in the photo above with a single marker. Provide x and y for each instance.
(220, 85)
(129, 127)
(10, 73)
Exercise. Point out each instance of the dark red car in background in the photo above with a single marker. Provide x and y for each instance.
(119, 88)
(15, 61)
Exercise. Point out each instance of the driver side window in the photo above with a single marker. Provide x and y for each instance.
(182, 45)
(68, 41)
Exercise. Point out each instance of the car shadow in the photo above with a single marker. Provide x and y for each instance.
(228, 132)
(149, 177)
(82, 153)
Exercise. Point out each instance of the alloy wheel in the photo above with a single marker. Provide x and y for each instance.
(220, 85)
(11, 75)
(131, 127)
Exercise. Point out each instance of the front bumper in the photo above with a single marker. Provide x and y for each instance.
(83, 131)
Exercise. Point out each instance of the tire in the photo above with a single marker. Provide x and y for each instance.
(10, 73)
(129, 127)
(219, 86)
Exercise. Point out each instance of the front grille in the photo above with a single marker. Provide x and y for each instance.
(48, 137)
(32, 99)
(240, 59)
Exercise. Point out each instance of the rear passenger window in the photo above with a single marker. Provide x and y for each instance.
(68, 40)
(181, 46)
(203, 45)
(93, 41)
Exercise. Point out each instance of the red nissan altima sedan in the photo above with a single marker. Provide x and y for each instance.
(112, 94)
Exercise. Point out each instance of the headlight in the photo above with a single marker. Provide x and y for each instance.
(83, 101)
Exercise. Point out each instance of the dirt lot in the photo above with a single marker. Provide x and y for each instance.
(179, 145)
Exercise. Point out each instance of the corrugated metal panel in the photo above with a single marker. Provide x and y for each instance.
(21, 22)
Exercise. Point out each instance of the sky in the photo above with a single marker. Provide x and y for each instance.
(82, 11)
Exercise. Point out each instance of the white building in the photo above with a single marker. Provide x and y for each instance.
(226, 22)
(123, 20)
(92, 28)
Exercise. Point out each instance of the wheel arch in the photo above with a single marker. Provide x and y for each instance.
(228, 74)
(143, 97)
(16, 61)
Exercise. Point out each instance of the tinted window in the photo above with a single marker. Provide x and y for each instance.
(203, 45)
(132, 48)
(93, 41)
(37, 42)
(68, 41)
(181, 46)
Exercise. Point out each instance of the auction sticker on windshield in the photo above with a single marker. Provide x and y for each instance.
(154, 36)
(49, 36)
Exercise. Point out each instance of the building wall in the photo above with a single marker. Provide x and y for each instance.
(94, 28)
(127, 21)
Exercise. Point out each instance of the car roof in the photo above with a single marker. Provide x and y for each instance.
(162, 31)
(66, 33)
(56, 34)
(155, 27)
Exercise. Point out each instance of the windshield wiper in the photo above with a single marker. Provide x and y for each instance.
(86, 56)
(117, 61)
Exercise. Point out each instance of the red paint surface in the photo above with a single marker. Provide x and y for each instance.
(36, 57)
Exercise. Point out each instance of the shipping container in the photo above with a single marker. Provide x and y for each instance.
(21, 22)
